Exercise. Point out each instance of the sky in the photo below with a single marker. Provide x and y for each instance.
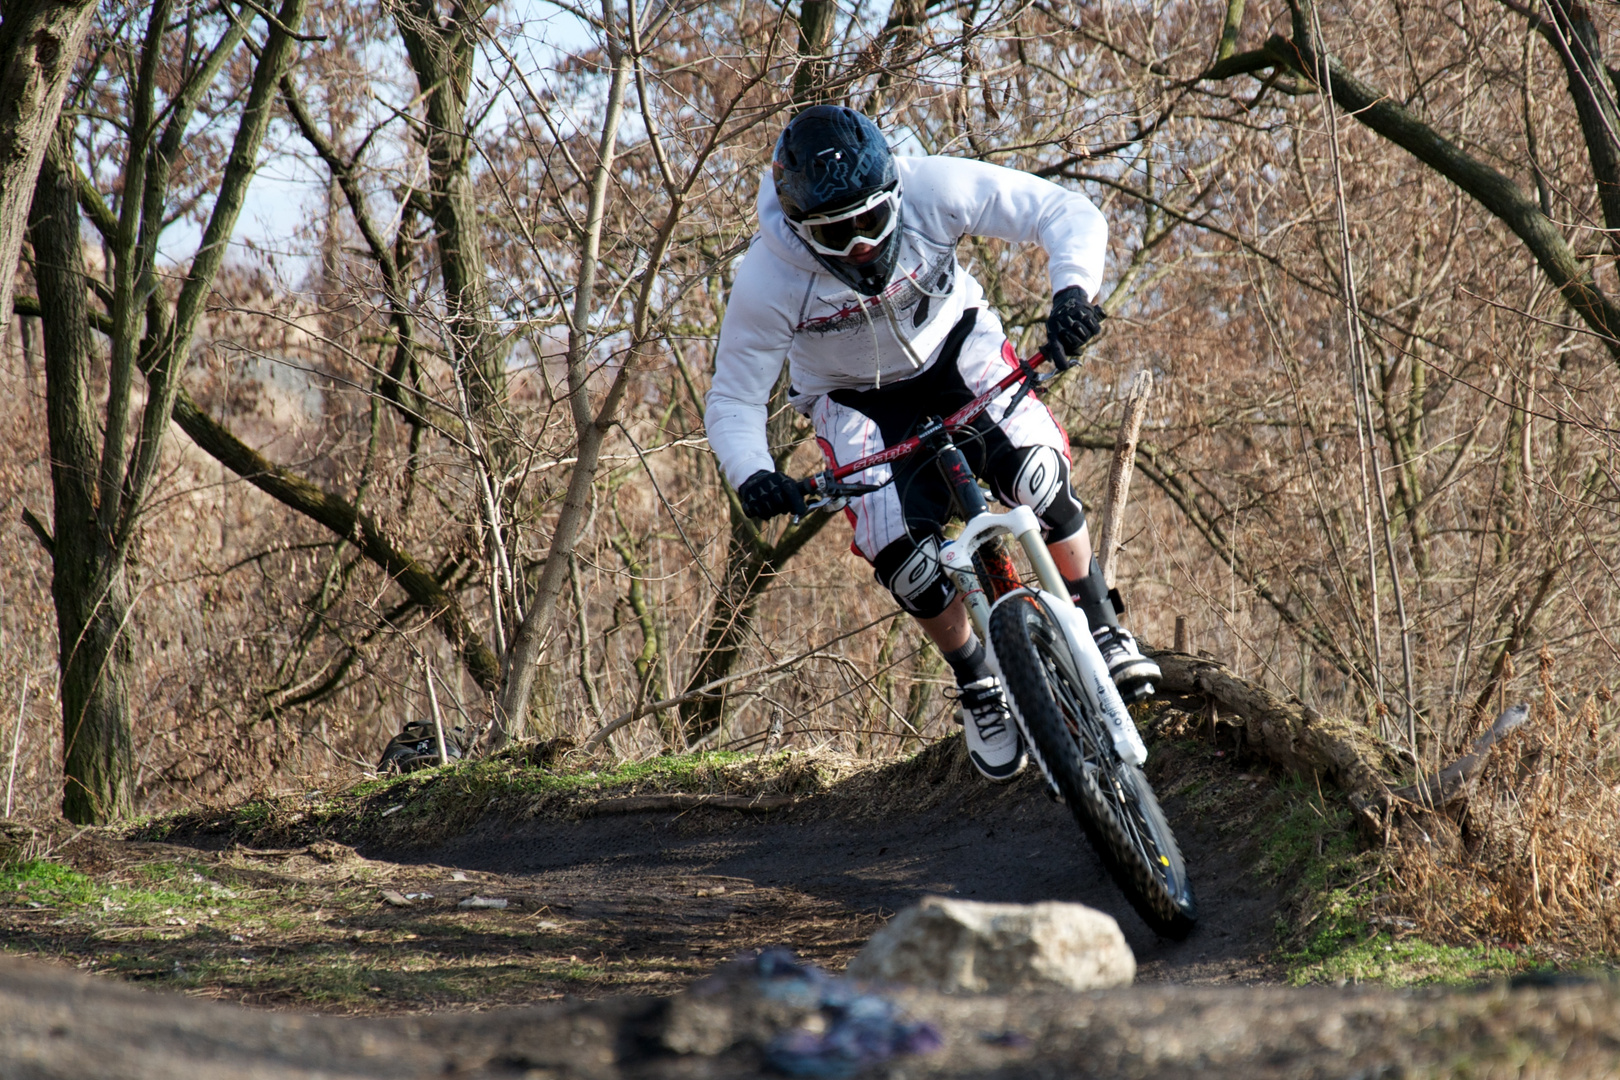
(286, 192)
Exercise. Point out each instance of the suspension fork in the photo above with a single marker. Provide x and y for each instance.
(997, 574)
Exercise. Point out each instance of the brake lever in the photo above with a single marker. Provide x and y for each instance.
(834, 494)
(1031, 379)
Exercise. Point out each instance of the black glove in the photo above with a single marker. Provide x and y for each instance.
(766, 494)
(1073, 322)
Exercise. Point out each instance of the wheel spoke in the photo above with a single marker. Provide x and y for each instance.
(1090, 739)
(1111, 800)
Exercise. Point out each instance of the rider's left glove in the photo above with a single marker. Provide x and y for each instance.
(766, 494)
(1074, 321)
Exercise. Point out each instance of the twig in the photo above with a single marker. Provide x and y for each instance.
(1119, 473)
(601, 734)
(16, 741)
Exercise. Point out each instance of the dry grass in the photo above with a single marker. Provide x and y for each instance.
(1536, 858)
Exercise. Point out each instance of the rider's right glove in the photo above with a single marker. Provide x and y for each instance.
(1074, 321)
(766, 494)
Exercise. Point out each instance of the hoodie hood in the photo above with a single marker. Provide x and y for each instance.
(779, 237)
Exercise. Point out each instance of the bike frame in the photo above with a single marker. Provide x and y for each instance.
(977, 562)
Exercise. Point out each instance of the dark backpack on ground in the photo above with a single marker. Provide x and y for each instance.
(417, 748)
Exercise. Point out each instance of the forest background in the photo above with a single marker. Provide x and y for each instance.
(442, 438)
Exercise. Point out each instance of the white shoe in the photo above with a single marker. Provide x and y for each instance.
(1132, 672)
(994, 745)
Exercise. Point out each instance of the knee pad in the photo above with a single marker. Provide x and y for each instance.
(910, 569)
(1040, 481)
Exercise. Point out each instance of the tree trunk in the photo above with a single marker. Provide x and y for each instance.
(751, 564)
(88, 584)
(441, 55)
(92, 597)
(40, 41)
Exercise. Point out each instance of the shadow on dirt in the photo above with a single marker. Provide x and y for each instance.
(862, 859)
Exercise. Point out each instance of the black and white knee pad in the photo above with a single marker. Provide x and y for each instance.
(910, 569)
(1040, 481)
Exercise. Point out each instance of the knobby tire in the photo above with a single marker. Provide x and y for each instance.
(1110, 798)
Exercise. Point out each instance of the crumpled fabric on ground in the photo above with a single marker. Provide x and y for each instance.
(862, 1029)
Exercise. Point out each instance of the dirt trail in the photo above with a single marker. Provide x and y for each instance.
(708, 883)
(503, 900)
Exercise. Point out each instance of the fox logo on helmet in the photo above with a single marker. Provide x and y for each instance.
(828, 156)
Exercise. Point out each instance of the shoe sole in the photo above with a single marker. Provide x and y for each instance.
(1136, 685)
(990, 773)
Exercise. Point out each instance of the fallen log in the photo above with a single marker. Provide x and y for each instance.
(1292, 736)
(1298, 739)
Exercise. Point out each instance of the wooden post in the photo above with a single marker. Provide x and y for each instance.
(1112, 513)
(1181, 634)
(433, 704)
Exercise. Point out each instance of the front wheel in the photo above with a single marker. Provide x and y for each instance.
(1110, 798)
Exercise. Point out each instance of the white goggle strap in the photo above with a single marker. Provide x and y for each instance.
(862, 207)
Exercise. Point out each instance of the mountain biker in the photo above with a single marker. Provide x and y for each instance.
(853, 280)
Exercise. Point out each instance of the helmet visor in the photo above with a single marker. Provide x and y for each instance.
(837, 232)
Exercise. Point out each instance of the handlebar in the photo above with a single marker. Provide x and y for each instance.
(826, 490)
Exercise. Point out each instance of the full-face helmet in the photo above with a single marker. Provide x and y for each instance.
(838, 187)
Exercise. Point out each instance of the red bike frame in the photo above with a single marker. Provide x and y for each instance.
(953, 422)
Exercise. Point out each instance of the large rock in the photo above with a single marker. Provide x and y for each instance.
(961, 946)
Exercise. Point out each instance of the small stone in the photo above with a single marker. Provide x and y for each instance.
(495, 902)
(962, 946)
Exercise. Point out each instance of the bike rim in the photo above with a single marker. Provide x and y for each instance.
(1096, 748)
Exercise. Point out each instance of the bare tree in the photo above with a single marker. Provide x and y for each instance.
(40, 42)
(101, 490)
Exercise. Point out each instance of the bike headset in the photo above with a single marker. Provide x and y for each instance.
(961, 438)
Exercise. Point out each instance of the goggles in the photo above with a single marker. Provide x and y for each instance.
(837, 232)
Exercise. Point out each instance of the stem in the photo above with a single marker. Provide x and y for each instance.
(1119, 473)
(16, 741)
(433, 704)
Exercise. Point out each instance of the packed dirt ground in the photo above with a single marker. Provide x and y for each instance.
(484, 886)
(628, 892)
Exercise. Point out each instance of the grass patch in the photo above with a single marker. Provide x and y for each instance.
(1337, 930)
(1350, 950)
(167, 890)
(427, 807)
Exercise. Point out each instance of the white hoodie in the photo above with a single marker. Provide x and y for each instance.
(786, 305)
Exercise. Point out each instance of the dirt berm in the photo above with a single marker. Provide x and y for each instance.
(61, 1024)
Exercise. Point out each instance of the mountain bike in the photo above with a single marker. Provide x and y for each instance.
(1072, 718)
